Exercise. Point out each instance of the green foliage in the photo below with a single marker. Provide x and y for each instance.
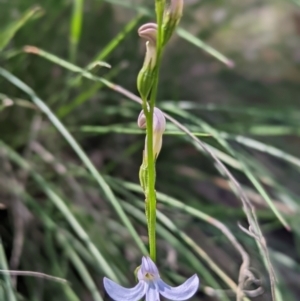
(70, 150)
(8, 33)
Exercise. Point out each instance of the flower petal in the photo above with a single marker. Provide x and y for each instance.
(148, 266)
(120, 293)
(159, 121)
(181, 292)
(152, 293)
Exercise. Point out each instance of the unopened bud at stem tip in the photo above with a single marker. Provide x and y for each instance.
(171, 18)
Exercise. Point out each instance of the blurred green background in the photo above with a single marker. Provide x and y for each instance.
(72, 207)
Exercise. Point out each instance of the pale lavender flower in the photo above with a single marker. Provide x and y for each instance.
(151, 286)
(148, 31)
(159, 126)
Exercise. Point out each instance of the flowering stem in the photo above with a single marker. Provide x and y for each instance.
(150, 193)
(147, 171)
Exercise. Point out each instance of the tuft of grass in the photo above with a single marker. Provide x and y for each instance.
(70, 205)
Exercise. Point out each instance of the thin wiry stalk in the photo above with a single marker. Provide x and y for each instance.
(33, 274)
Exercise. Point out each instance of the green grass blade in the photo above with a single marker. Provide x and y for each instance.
(273, 130)
(126, 129)
(241, 110)
(7, 289)
(115, 42)
(8, 33)
(205, 47)
(63, 63)
(75, 30)
(263, 147)
(8, 101)
(84, 96)
(67, 108)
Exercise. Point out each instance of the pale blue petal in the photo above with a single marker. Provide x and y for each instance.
(120, 293)
(181, 292)
(152, 293)
(148, 266)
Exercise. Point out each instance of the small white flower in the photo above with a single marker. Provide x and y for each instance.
(151, 286)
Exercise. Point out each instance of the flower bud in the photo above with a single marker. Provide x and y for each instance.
(145, 77)
(159, 126)
(171, 19)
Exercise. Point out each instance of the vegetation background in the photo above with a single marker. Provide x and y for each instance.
(70, 150)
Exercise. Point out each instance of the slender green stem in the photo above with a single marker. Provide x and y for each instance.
(159, 7)
(151, 198)
(151, 194)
